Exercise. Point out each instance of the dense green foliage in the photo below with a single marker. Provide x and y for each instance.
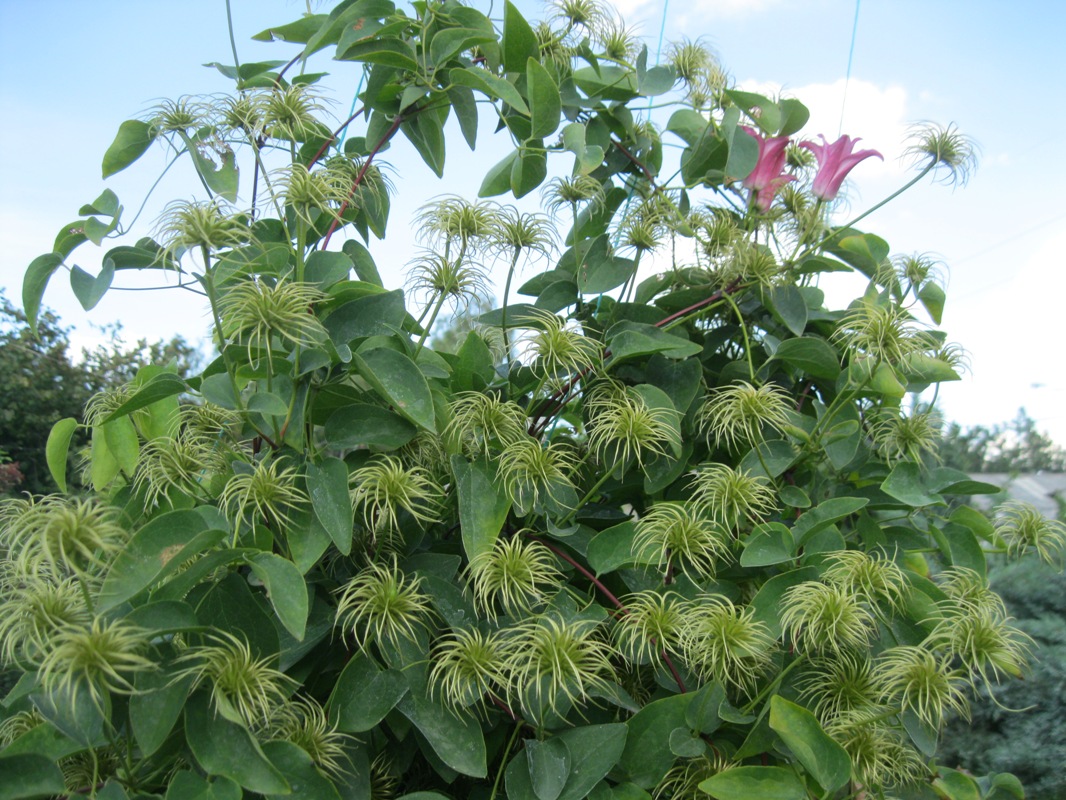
(42, 380)
(671, 536)
(1021, 728)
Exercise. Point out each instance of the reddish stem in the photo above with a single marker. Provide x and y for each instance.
(610, 596)
(395, 126)
(333, 137)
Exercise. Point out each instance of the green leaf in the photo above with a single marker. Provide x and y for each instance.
(457, 740)
(364, 694)
(548, 766)
(103, 466)
(221, 747)
(498, 179)
(327, 484)
(268, 404)
(519, 41)
(906, 483)
(766, 605)
(448, 43)
(814, 356)
(374, 314)
(545, 105)
(490, 85)
(34, 282)
(794, 116)
(528, 170)
(122, 443)
(298, 32)
(746, 783)
(825, 514)
(326, 268)
(285, 588)
(613, 548)
(133, 139)
(365, 425)
(398, 381)
(28, 775)
(634, 339)
(954, 785)
(788, 305)
(89, 289)
(160, 387)
(594, 751)
(153, 552)
(465, 108)
(825, 760)
(647, 756)
(298, 768)
(222, 178)
(770, 543)
(187, 785)
(483, 504)
(933, 298)
(156, 705)
(426, 133)
(57, 448)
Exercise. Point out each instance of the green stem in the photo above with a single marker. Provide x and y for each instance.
(588, 496)
(744, 331)
(429, 325)
(772, 686)
(503, 761)
(506, 295)
(232, 40)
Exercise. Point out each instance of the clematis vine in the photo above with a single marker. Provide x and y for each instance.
(769, 173)
(835, 161)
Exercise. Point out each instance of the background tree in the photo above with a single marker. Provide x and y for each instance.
(42, 380)
(1015, 446)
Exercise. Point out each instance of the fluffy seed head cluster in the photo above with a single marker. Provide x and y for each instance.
(468, 665)
(453, 220)
(723, 642)
(569, 193)
(291, 113)
(311, 193)
(258, 312)
(244, 689)
(384, 487)
(482, 423)
(437, 278)
(99, 658)
(178, 116)
(516, 575)
(677, 533)
(59, 537)
(913, 678)
(736, 415)
(654, 624)
(188, 225)
(880, 757)
(907, 436)
(516, 232)
(1023, 529)
(682, 781)
(552, 660)
(945, 149)
(303, 722)
(33, 610)
(537, 477)
(884, 332)
(731, 497)
(840, 685)
(623, 428)
(383, 604)
(178, 464)
(820, 617)
(872, 578)
(556, 348)
(267, 491)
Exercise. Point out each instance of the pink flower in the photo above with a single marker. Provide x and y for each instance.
(835, 161)
(768, 175)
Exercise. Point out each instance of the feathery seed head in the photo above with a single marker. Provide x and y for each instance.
(268, 492)
(884, 332)
(187, 225)
(290, 113)
(537, 477)
(913, 678)
(871, 577)
(730, 496)
(881, 758)
(677, 534)
(482, 423)
(623, 428)
(653, 625)
(556, 347)
(839, 685)
(907, 437)
(303, 722)
(383, 604)
(384, 487)
(725, 643)
(517, 574)
(945, 149)
(436, 278)
(258, 312)
(736, 415)
(570, 192)
(467, 665)
(244, 689)
(1024, 529)
(822, 618)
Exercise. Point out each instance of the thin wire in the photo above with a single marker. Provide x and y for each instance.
(851, 56)
(351, 111)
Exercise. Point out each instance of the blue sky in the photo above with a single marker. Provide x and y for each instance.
(74, 70)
